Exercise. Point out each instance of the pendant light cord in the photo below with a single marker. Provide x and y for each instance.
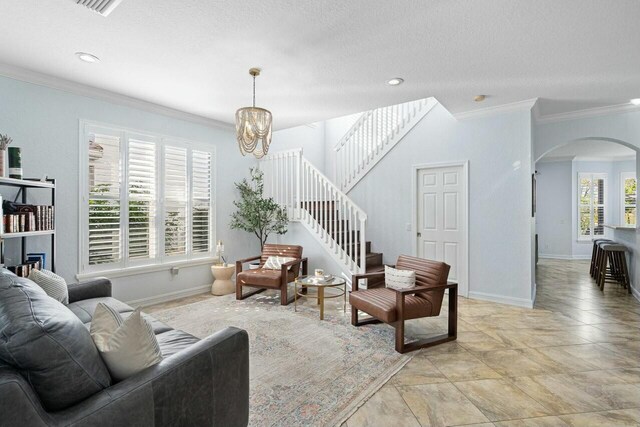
(254, 91)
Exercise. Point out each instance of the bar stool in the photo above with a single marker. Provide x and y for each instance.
(594, 257)
(615, 255)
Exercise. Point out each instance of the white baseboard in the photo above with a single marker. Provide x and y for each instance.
(169, 296)
(520, 302)
(565, 257)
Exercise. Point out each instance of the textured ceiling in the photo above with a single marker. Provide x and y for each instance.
(324, 59)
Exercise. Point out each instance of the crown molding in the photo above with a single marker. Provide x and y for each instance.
(527, 104)
(34, 77)
(589, 112)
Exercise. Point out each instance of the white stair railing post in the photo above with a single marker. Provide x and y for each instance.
(363, 249)
(372, 136)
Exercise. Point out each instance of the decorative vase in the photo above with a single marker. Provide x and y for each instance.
(2, 161)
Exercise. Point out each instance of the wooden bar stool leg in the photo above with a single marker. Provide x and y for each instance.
(602, 270)
(625, 271)
(593, 259)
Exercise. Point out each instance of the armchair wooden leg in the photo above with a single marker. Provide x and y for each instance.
(241, 296)
(451, 335)
(399, 336)
(284, 295)
(355, 321)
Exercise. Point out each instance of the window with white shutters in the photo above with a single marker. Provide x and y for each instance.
(105, 174)
(146, 200)
(201, 201)
(628, 197)
(591, 205)
(142, 199)
(175, 201)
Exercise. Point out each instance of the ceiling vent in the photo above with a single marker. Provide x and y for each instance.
(103, 7)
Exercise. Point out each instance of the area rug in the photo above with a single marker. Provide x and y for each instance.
(303, 371)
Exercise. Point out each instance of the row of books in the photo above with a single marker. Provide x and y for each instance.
(29, 218)
(35, 261)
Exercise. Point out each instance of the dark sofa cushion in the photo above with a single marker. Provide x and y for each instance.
(48, 345)
(84, 309)
(173, 341)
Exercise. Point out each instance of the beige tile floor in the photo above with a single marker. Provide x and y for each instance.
(574, 360)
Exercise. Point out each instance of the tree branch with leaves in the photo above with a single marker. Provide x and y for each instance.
(256, 214)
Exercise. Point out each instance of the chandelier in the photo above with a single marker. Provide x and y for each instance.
(253, 126)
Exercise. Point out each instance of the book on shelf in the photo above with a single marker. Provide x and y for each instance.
(29, 218)
(24, 269)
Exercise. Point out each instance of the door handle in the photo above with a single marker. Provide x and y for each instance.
(419, 234)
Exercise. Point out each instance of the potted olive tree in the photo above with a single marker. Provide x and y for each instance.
(255, 213)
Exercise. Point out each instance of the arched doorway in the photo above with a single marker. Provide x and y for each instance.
(586, 189)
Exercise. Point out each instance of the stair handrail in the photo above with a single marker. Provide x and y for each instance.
(372, 136)
(299, 186)
(335, 188)
(363, 117)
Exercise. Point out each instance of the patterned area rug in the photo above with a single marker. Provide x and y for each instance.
(303, 371)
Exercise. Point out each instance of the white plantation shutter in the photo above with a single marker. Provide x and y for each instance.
(142, 199)
(175, 200)
(591, 205)
(200, 201)
(104, 208)
(146, 200)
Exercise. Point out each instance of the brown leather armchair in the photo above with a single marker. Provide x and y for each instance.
(395, 306)
(271, 279)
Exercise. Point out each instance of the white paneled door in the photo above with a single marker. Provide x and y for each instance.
(442, 219)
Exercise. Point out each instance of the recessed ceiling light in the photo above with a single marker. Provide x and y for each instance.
(87, 57)
(479, 98)
(635, 101)
(395, 81)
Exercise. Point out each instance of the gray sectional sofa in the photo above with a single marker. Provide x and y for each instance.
(52, 375)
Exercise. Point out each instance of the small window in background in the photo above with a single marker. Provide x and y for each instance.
(591, 205)
(629, 197)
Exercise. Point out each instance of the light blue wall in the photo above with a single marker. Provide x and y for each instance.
(44, 122)
(498, 149)
(553, 214)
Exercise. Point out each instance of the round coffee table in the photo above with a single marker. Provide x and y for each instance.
(222, 285)
(305, 282)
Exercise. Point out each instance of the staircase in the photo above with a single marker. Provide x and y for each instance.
(374, 134)
(311, 199)
(323, 207)
(325, 215)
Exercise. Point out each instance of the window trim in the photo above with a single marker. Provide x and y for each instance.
(161, 261)
(623, 177)
(592, 175)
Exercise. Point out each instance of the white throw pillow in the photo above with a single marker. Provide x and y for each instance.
(54, 285)
(275, 262)
(399, 279)
(127, 346)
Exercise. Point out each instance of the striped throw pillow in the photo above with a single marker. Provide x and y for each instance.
(54, 285)
(275, 262)
(127, 346)
(399, 279)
